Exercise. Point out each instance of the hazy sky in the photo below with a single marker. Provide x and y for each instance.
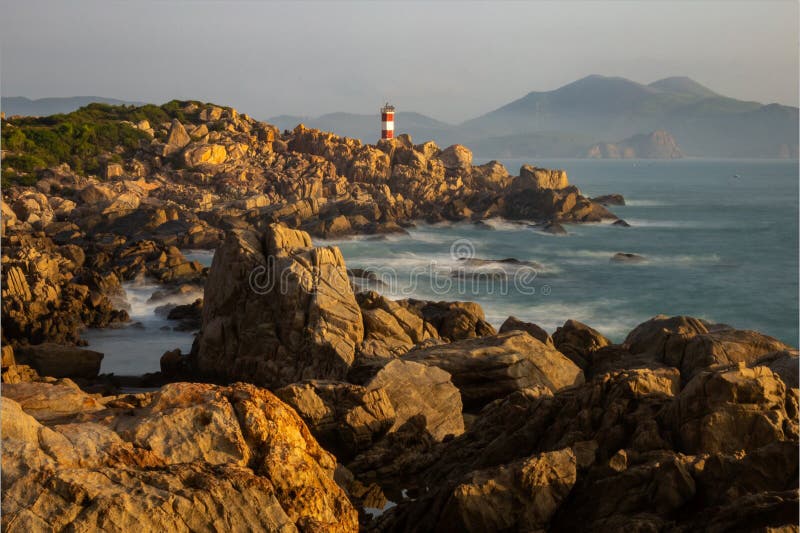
(450, 60)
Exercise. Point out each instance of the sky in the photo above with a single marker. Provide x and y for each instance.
(450, 60)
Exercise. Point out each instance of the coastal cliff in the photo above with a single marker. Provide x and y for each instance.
(307, 404)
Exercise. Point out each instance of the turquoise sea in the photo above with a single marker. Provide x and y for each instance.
(720, 239)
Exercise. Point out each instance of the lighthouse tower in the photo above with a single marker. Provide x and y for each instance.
(387, 121)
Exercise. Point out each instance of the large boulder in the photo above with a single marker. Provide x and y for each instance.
(177, 136)
(345, 418)
(452, 320)
(415, 389)
(391, 328)
(188, 457)
(277, 310)
(513, 323)
(578, 341)
(693, 345)
(738, 408)
(204, 154)
(60, 361)
(50, 401)
(456, 157)
(785, 364)
(536, 178)
(488, 368)
(520, 496)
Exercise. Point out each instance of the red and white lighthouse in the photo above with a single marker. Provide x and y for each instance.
(387, 121)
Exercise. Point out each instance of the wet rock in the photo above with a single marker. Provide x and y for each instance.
(621, 224)
(553, 228)
(610, 199)
(628, 258)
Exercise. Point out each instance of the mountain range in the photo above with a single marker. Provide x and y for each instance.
(570, 121)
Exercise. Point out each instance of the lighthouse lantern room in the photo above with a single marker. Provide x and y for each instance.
(387, 121)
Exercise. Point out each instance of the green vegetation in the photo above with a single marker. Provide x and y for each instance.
(84, 139)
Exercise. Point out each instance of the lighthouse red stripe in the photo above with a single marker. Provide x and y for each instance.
(387, 116)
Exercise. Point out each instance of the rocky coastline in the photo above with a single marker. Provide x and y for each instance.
(308, 404)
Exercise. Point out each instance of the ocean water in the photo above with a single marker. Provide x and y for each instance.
(719, 238)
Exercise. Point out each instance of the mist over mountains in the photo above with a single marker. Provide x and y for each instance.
(570, 121)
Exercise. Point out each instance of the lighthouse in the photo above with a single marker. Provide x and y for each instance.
(387, 121)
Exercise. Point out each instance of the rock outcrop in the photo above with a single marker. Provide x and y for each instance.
(578, 341)
(188, 457)
(277, 310)
(492, 367)
(692, 345)
(415, 389)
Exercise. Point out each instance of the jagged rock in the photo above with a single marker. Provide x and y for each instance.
(540, 178)
(178, 137)
(732, 409)
(785, 363)
(453, 320)
(520, 496)
(33, 208)
(50, 401)
(553, 228)
(491, 175)
(60, 361)
(277, 310)
(692, 345)
(512, 323)
(188, 457)
(391, 328)
(204, 154)
(345, 418)
(456, 157)
(610, 199)
(94, 194)
(415, 389)
(577, 341)
(491, 367)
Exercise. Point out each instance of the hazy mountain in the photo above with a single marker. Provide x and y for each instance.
(682, 84)
(565, 122)
(703, 122)
(368, 127)
(19, 105)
